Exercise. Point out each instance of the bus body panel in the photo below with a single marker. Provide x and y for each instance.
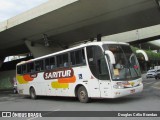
(116, 93)
(44, 87)
(63, 81)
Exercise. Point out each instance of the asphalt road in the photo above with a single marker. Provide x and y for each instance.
(148, 100)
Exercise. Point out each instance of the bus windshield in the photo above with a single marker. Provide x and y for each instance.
(126, 66)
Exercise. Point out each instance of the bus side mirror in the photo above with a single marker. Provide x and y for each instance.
(111, 56)
(144, 54)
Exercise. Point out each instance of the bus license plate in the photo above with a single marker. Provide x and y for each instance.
(132, 91)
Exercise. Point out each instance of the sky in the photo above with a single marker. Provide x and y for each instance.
(11, 8)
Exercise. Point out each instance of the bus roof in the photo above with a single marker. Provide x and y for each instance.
(73, 48)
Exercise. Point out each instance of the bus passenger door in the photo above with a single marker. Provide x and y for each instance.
(104, 79)
(93, 82)
(99, 69)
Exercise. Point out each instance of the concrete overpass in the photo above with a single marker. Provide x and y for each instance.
(68, 21)
(143, 36)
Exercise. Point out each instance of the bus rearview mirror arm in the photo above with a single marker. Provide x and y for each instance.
(111, 56)
(144, 54)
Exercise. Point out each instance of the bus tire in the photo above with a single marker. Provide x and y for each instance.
(33, 93)
(15, 91)
(83, 95)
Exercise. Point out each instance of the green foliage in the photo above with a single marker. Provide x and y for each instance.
(151, 55)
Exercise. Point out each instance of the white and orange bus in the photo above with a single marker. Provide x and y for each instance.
(91, 70)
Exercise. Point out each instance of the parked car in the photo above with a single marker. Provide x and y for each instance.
(151, 73)
(157, 75)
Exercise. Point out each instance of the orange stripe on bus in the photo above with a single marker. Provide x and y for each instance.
(27, 77)
(67, 80)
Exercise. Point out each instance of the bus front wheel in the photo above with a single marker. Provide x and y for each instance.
(83, 95)
(33, 93)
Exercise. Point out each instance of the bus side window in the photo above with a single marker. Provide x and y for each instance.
(30, 67)
(83, 57)
(39, 65)
(62, 60)
(47, 64)
(77, 57)
(52, 63)
(24, 69)
(19, 69)
(59, 61)
(65, 60)
(97, 62)
(92, 61)
(73, 60)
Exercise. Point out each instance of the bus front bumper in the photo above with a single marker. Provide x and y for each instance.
(116, 93)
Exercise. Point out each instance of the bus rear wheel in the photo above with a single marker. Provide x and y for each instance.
(33, 93)
(83, 95)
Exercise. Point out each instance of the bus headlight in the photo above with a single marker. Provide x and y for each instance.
(118, 86)
(140, 83)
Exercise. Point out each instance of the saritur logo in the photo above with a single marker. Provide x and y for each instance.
(60, 73)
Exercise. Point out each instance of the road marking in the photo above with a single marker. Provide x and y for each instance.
(146, 83)
(156, 87)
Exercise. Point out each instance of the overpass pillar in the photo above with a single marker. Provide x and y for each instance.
(1, 61)
(39, 50)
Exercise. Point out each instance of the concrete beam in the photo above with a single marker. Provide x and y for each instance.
(47, 7)
(135, 35)
(1, 61)
(39, 50)
(71, 21)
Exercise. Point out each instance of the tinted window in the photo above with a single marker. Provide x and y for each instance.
(97, 62)
(59, 61)
(73, 60)
(30, 67)
(62, 60)
(52, 63)
(24, 69)
(19, 70)
(39, 65)
(77, 57)
(47, 64)
(65, 60)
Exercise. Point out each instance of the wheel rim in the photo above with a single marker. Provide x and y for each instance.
(82, 95)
